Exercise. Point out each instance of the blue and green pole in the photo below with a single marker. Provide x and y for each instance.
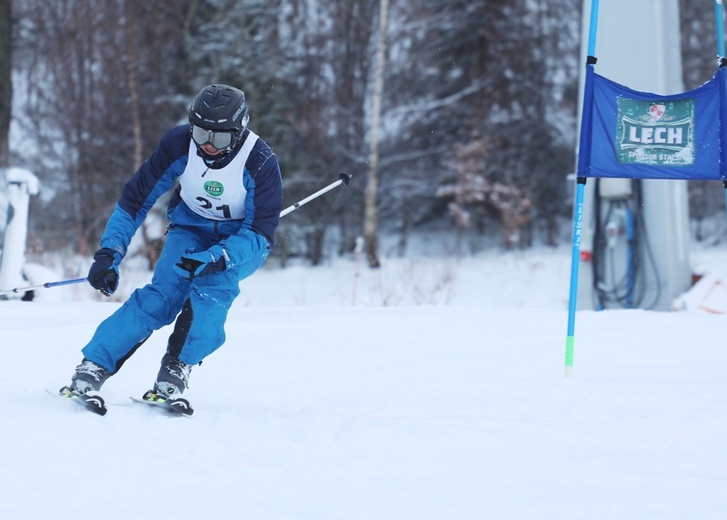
(584, 152)
(719, 23)
(575, 260)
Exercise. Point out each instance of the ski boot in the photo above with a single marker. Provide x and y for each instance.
(85, 384)
(172, 380)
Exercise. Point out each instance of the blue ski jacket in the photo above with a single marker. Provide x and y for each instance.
(263, 192)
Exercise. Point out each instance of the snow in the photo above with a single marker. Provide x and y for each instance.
(429, 389)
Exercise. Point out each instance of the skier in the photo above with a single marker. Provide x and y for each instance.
(223, 218)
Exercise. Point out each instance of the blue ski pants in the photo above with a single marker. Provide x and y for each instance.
(157, 304)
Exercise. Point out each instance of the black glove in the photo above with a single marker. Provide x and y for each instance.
(104, 273)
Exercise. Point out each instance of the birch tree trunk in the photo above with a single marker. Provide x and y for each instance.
(371, 221)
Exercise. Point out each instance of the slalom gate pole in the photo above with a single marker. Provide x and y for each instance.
(343, 178)
(575, 259)
(720, 28)
(584, 148)
(719, 22)
(593, 28)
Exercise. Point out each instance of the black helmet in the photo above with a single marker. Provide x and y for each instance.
(219, 108)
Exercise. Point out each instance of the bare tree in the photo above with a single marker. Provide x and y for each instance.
(475, 198)
(371, 228)
(6, 84)
(102, 82)
(496, 69)
(323, 91)
(699, 63)
(151, 250)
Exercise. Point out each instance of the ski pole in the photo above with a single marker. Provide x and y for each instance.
(43, 285)
(343, 178)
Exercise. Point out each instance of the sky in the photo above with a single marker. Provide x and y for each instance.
(432, 388)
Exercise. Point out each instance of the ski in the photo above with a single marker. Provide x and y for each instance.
(172, 406)
(91, 401)
(94, 403)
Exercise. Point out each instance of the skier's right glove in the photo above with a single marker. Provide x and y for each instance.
(104, 273)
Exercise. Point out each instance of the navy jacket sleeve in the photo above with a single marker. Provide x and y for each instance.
(153, 178)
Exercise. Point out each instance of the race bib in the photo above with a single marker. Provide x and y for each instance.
(216, 194)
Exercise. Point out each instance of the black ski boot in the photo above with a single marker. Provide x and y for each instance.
(85, 384)
(89, 376)
(172, 381)
(173, 376)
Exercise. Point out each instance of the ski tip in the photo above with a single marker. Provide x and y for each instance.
(98, 410)
(180, 406)
(91, 401)
(175, 407)
(94, 403)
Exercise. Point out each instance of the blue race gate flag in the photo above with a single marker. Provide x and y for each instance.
(640, 135)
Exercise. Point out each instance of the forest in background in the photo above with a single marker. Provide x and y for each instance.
(478, 109)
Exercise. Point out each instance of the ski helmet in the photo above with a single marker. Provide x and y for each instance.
(218, 115)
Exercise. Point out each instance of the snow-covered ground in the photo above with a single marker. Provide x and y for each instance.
(429, 389)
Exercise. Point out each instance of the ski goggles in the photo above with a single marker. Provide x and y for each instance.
(218, 139)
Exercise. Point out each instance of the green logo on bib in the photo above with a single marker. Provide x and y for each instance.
(214, 188)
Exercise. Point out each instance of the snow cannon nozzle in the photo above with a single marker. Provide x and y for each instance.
(345, 178)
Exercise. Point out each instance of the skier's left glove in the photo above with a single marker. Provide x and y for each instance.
(204, 263)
